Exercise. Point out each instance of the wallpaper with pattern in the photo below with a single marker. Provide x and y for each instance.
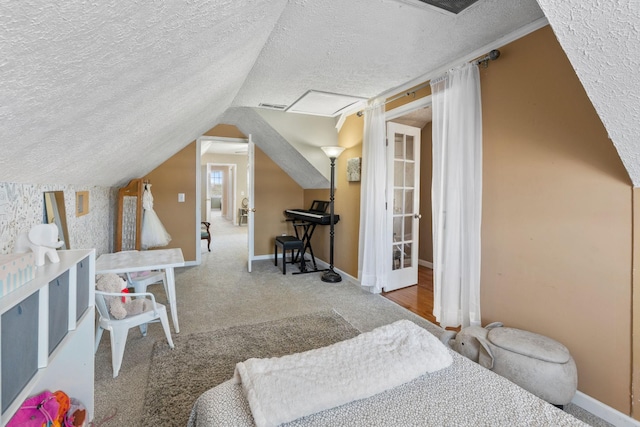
(21, 207)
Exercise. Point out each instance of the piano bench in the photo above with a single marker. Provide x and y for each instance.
(288, 243)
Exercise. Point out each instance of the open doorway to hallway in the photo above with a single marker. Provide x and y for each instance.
(228, 241)
(224, 188)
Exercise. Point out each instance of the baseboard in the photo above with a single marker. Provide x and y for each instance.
(321, 266)
(603, 411)
(424, 263)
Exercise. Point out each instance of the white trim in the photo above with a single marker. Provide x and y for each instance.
(198, 161)
(222, 139)
(349, 111)
(424, 263)
(603, 411)
(320, 263)
(519, 33)
(400, 111)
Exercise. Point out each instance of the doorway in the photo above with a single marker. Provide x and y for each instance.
(418, 297)
(221, 194)
(223, 186)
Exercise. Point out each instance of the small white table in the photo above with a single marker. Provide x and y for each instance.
(160, 259)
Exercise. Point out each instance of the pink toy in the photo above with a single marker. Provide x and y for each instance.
(36, 411)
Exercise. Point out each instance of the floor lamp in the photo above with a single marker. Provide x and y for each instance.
(332, 152)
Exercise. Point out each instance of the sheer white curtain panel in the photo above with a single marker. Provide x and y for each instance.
(374, 252)
(457, 196)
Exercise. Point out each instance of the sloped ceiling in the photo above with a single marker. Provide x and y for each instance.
(602, 40)
(101, 92)
(97, 93)
(249, 122)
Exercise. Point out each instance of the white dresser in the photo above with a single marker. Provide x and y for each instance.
(47, 334)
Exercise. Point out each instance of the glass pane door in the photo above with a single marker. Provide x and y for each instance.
(404, 156)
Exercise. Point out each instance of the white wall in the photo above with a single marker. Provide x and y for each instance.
(21, 207)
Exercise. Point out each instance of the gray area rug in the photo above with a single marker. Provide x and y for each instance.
(203, 360)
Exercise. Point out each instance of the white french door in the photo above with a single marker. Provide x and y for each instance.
(403, 203)
(251, 205)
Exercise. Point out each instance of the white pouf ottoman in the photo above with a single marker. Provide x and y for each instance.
(536, 363)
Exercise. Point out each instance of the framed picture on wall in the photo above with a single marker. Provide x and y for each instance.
(82, 203)
(353, 169)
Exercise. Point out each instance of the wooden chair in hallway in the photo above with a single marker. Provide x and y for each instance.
(205, 234)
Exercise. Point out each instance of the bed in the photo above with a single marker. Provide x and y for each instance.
(460, 394)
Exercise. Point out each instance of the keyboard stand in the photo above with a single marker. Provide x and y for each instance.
(304, 231)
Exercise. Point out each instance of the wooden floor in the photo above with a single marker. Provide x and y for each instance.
(417, 298)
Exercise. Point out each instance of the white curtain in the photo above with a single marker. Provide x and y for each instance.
(373, 253)
(457, 196)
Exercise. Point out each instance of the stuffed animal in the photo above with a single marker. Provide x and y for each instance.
(536, 363)
(120, 307)
(42, 239)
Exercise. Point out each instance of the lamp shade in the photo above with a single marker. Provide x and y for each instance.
(332, 151)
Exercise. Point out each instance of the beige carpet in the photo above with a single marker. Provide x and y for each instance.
(220, 294)
(203, 360)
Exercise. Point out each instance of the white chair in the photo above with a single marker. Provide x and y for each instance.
(119, 329)
(139, 280)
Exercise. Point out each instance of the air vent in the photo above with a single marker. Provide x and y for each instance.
(272, 106)
(451, 6)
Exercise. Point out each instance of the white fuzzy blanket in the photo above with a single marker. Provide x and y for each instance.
(286, 388)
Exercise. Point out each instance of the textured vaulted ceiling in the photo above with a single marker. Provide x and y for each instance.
(602, 40)
(97, 93)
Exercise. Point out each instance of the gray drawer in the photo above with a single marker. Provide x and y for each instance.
(82, 288)
(19, 335)
(58, 310)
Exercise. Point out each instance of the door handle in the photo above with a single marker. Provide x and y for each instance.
(253, 209)
(417, 216)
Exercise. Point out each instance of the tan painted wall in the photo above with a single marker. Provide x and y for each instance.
(635, 339)
(227, 131)
(177, 175)
(556, 253)
(347, 204)
(425, 248)
(274, 192)
(556, 230)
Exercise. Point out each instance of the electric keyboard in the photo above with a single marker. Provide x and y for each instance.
(316, 214)
(315, 217)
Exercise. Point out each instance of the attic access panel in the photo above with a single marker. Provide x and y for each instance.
(451, 6)
(318, 103)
